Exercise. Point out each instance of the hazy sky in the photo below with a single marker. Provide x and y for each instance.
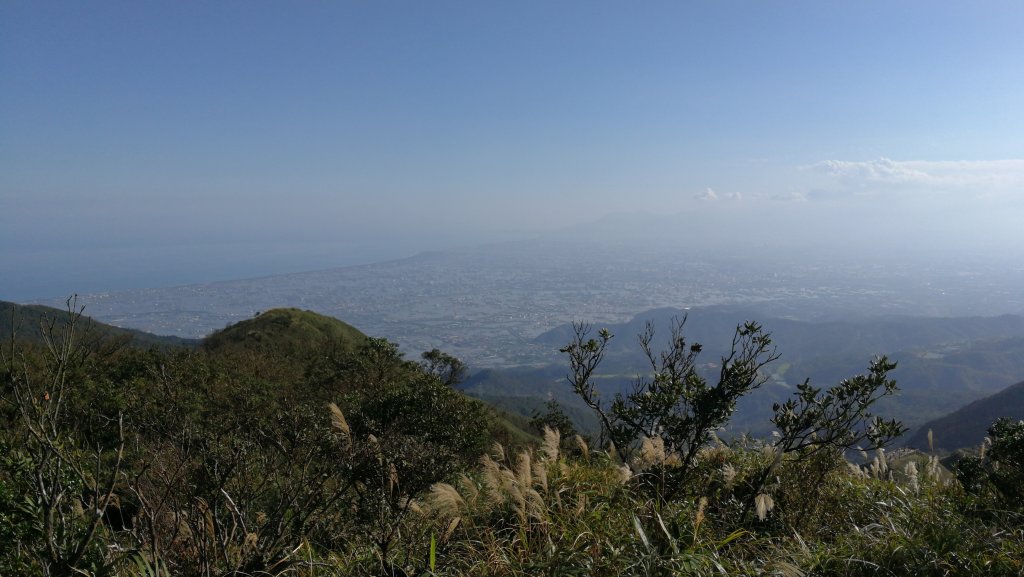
(167, 142)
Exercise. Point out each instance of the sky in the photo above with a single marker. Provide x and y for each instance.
(162, 143)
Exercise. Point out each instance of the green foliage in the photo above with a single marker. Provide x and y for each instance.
(227, 460)
(448, 369)
(65, 474)
(997, 473)
(833, 421)
(676, 406)
(432, 429)
(285, 332)
(966, 427)
(335, 460)
(838, 418)
(893, 531)
(31, 323)
(554, 418)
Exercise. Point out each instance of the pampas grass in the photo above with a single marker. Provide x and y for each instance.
(763, 504)
(338, 422)
(584, 449)
(652, 453)
(910, 470)
(446, 500)
(552, 442)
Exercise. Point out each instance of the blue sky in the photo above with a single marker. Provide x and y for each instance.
(209, 140)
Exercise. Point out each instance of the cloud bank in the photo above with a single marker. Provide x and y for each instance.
(973, 179)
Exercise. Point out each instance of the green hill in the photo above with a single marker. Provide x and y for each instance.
(298, 346)
(30, 322)
(967, 426)
(287, 330)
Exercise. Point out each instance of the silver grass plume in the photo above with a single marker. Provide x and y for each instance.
(856, 470)
(652, 452)
(338, 422)
(728, 474)
(499, 452)
(415, 507)
(392, 478)
(883, 463)
(625, 474)
(535, 507)
(911, 472)
(471, 494)
(584, 449)
(492, 480)
(451, 529)
(524, 473)
(552, 440)
(540, 475)
(702, 505)
(446, 499)
(763, 504)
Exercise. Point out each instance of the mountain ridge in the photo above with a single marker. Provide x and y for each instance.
(32, 321)
(967, 426)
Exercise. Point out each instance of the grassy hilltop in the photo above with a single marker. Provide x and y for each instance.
(288, 330)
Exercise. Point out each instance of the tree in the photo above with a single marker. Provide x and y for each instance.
(676, 405)
(66, 481)
(838, 418)
(679, 410)
(998, 471)
(448, 369)
(404, 438)
(554, 418)
(816, 421)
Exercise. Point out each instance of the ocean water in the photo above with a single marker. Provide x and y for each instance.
(28, 275)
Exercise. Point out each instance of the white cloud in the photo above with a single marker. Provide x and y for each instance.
(881, 170)
(984, 179)
(709, 195)
(790, 196)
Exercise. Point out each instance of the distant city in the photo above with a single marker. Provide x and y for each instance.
(487, 305)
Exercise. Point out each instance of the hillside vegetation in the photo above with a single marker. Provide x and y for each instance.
(30, 323)
(262, 453)
(967, 426)
(287, 330)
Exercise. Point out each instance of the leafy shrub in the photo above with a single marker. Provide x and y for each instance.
(997, 473)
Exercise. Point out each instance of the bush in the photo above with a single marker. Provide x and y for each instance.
(997, 473)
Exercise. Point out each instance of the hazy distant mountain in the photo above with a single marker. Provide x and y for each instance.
(801, 340)
(966, 427)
